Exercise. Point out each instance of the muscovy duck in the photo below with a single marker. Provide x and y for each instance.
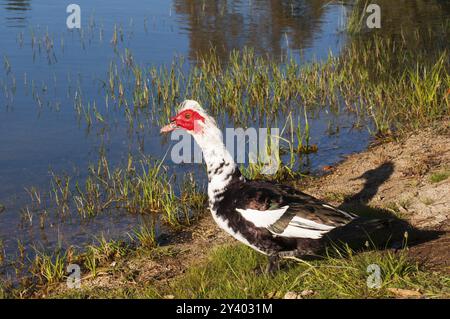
(274, 219)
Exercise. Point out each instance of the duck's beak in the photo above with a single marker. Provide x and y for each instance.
(169, 127)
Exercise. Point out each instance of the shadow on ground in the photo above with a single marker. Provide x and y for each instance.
(380, 228)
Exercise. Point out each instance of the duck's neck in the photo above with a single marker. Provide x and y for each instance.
(222, 170)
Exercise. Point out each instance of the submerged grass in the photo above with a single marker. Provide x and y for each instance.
(145, 188)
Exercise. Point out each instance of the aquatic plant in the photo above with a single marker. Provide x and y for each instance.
(143, 189)
(48, 268)
(365, 79)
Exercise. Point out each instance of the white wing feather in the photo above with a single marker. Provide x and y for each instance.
(297, 228)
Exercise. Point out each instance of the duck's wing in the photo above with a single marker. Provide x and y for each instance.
(287, 212)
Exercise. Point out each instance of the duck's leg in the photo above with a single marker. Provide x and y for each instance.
(273, 264)
(274, 260)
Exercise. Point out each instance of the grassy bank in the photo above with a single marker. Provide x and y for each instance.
(230, 271)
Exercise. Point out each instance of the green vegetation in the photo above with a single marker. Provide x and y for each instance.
(102, 254)
(49, 269)
(376, 77)
(229, 272)
(146, 189)
(145, 235)
(143, 189)
(439, 176)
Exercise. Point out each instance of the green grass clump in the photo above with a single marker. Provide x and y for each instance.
(229, 273)
(49, 268)
(146, 188)
(103, 253)
(145, 236)
(439, 176)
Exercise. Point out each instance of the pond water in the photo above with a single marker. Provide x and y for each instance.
(45, 65)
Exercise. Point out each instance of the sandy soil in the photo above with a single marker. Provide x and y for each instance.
(392, 176)
(396, 177)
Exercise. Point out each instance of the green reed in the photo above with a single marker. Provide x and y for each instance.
(142, 188)
(48, 268)
(364, 79)
(145, 235)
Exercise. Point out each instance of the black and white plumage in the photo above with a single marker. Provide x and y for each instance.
(274, 219)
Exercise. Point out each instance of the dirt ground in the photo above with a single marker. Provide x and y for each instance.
(397, 177)
(392, 176)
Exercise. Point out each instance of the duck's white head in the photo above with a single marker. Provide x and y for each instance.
(222, 170)
(192, 118)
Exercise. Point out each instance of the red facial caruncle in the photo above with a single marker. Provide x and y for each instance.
(186, 119)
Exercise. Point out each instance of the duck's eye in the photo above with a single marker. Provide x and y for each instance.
(187, 116)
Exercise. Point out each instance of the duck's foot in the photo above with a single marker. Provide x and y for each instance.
(274, 260)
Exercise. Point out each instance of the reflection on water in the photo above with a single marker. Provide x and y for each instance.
(424, 24)
(267, 26)
(271, 26)
(16, 15)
